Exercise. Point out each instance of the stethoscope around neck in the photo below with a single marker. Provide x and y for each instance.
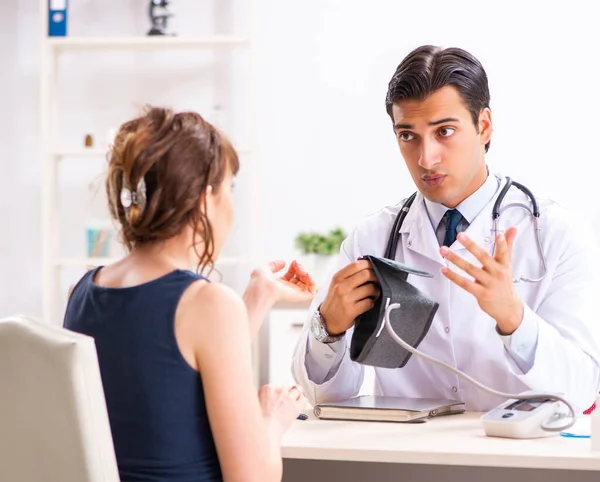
(497, 210)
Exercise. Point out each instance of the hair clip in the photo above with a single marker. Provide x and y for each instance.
(137, 197)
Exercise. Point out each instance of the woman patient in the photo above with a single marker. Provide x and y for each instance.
(174, 349)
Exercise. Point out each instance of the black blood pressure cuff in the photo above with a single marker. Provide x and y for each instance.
(371, 343)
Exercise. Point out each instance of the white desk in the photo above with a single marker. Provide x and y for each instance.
(447, 448)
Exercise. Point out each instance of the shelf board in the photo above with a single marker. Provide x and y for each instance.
(146, 42)
(97, 153)
(89, 152)
(63, 262)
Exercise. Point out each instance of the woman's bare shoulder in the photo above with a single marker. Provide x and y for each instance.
(212, 302)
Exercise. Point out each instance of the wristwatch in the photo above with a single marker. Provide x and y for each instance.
(317, 327)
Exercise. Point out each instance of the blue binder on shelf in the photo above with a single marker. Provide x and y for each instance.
(57, 18)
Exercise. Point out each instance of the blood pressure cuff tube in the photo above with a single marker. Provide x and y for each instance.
(371, 343)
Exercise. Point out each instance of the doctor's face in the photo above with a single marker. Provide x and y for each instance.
(444, 151)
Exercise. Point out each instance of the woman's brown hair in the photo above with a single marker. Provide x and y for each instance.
(165, 161)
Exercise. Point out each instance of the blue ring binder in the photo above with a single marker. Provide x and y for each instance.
(57, 18)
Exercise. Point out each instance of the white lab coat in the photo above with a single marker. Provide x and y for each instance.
(564, 305)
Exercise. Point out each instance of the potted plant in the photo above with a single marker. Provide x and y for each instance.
(320, 251)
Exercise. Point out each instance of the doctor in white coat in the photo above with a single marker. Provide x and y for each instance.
(511, 336)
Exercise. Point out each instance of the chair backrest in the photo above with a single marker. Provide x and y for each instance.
(53, 420)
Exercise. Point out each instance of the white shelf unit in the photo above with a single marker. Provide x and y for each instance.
(53, 153)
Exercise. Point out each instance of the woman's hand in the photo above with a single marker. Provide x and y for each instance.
(295, 285)
(281, 405)
(268, 286)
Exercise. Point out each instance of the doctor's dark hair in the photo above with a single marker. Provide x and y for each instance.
(177, 155)
(429, 68)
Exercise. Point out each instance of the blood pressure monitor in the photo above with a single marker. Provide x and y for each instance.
(523, 418)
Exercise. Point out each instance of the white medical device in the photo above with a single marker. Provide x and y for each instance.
(525, 415)
(522, 418)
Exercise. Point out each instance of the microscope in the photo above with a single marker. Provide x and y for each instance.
(159, 14)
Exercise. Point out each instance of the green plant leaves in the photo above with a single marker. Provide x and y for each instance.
(325, 244)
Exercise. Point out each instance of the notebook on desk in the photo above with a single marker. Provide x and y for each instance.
(375, 408)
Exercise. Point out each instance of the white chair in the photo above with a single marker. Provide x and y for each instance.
(53, 420)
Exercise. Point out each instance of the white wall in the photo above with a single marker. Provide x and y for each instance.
(324, 123)
(325, 145)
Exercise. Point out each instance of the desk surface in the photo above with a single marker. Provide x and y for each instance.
(452, 440)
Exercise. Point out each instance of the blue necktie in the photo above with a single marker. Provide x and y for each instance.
(453, 218)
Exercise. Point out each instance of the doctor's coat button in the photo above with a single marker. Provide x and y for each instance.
(447, 330)
(487, 240)
(454, 389)
(409, 244)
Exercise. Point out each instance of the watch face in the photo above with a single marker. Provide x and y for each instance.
(315, 326)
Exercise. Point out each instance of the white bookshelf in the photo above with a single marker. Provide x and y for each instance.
(53, 153)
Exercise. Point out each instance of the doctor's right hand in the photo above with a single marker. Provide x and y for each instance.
(352, 291)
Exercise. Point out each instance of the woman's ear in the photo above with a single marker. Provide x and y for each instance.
(206, 194)
(206, 199)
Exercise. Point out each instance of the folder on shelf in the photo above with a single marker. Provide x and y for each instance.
(57, 18)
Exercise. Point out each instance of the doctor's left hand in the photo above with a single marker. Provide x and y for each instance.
(492, 283)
